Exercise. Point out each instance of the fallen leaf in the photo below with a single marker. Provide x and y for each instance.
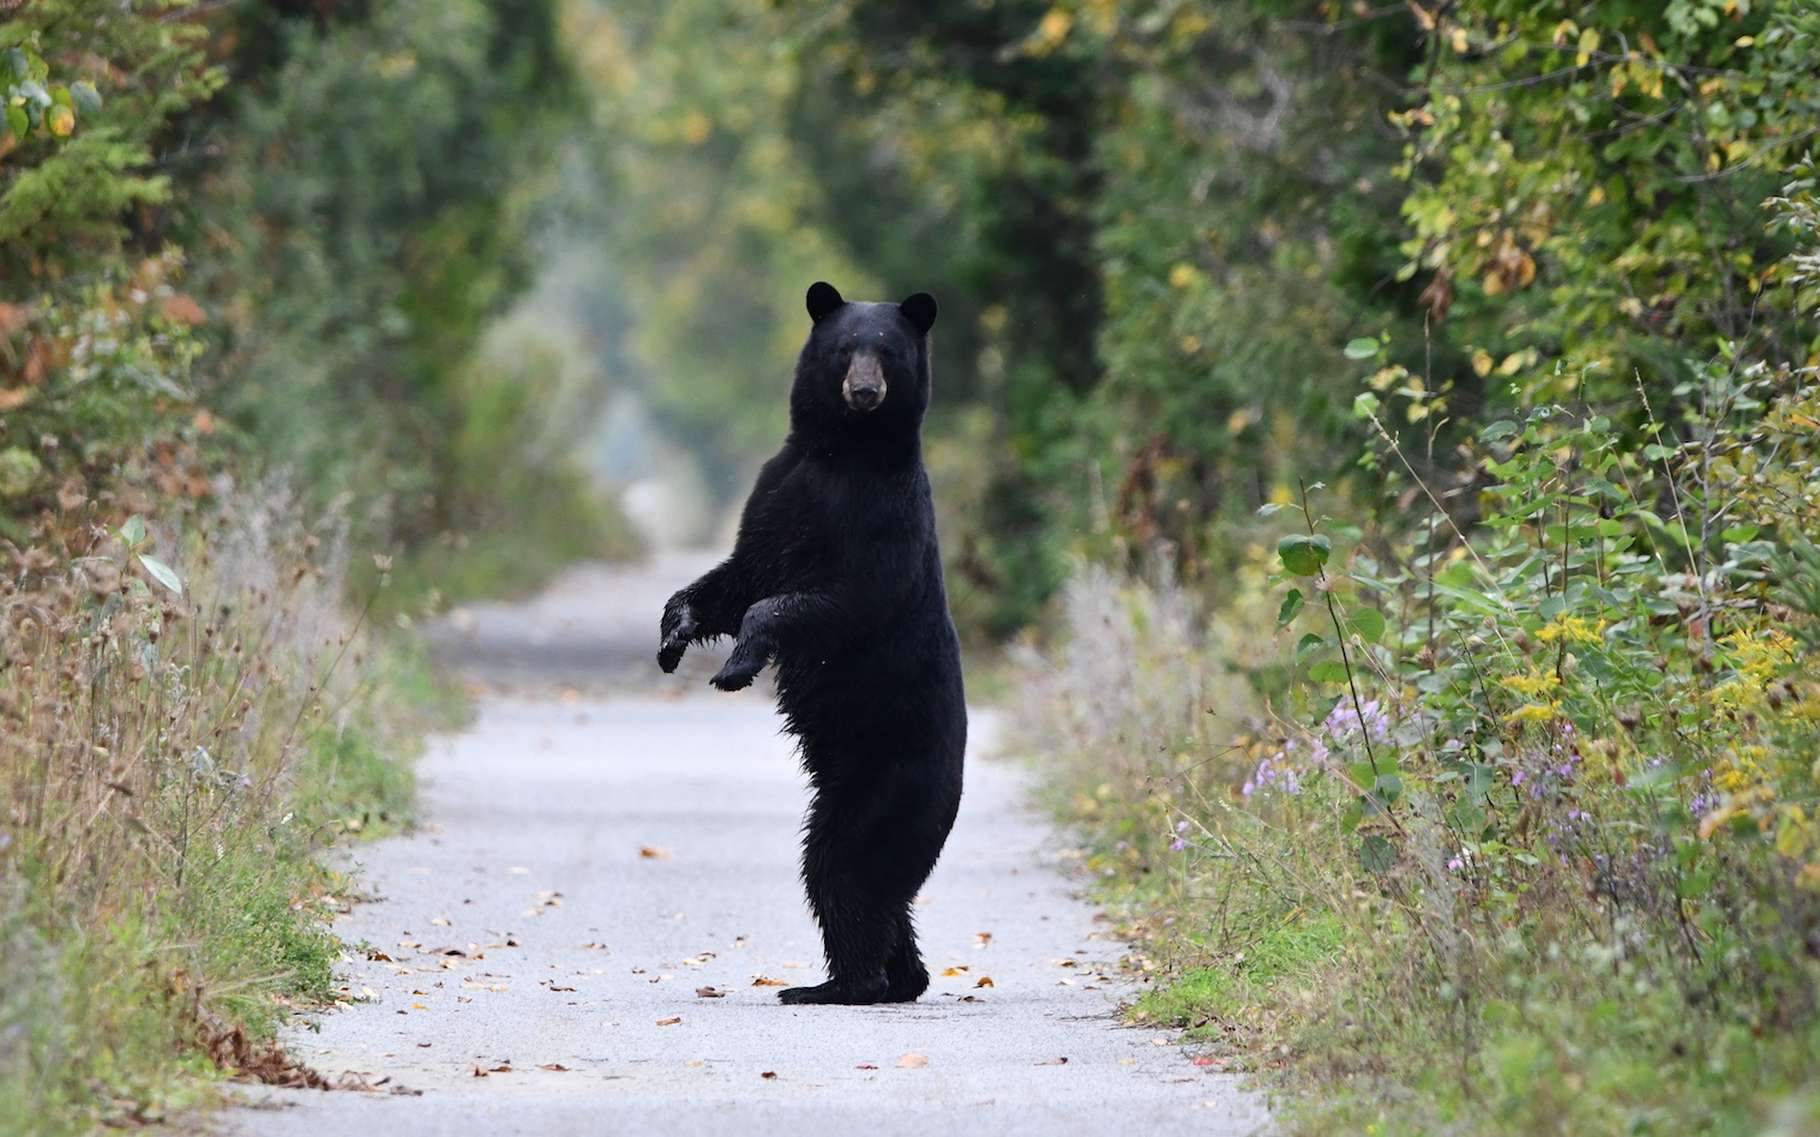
(479, 1073)
(952, 972)
(981, 939)
(419, 1007)
(709, 993)
(559, 1068)
(985, 981)
(1053, 1062)
(764, 981)
(913, 1061)
(769, 1075)
(425, 1045)
(440, 921)
(671, 1021)
(502, 1068)
(866, 1066)
(653, 853)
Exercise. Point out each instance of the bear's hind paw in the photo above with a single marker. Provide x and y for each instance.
(832, 993)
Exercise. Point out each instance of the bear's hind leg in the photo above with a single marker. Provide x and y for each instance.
(905, 976)
(857, 940)
(858, 932)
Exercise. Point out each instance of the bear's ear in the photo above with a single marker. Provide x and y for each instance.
(823, 299)
(920, 311)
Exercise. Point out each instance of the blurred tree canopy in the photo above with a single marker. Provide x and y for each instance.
(270, 237)
(1187, 250)
(1180, 242)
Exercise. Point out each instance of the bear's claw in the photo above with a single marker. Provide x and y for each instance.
(677, 630)
(737, 675)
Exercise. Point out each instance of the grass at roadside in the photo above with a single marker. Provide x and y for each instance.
(1518, 841)
(175, 766)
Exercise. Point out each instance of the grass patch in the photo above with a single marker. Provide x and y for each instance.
(1210, 1000)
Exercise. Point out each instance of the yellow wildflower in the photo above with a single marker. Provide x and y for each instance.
(1532, 686)
(1533, 713)
(1573, 629)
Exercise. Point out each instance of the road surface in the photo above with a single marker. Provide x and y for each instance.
(587, 934)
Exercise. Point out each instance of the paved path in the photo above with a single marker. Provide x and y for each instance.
(605, 888)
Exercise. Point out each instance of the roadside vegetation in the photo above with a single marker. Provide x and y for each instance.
(263, 401)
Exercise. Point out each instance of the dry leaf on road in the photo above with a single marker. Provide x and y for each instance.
(709, 993)
(913, 1061)
(671, 1021)
(766, 981)
(653, 853)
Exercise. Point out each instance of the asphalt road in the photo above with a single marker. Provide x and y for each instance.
(587, 935)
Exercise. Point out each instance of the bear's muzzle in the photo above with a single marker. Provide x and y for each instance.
(864, 387)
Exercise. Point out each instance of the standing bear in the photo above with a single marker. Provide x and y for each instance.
(836, 578)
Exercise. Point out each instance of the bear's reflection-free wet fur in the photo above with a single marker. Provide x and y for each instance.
(836, 577)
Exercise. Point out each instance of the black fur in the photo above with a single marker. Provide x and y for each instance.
(836, 578)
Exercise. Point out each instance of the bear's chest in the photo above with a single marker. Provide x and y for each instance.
(818, 522)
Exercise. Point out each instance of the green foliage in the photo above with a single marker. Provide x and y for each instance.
(367, 264)
(95, 346)
(1586, 185)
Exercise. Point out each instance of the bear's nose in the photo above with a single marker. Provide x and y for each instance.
(864, 387)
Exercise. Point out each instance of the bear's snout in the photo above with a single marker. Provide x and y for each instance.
(864, 387)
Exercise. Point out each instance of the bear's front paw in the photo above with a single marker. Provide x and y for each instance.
(677, 630)
(740, 669)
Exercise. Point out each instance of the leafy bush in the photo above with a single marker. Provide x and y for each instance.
(1555, 779)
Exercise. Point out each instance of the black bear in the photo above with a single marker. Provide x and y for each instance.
(836, 577)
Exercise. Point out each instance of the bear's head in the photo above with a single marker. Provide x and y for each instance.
(864, 372)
